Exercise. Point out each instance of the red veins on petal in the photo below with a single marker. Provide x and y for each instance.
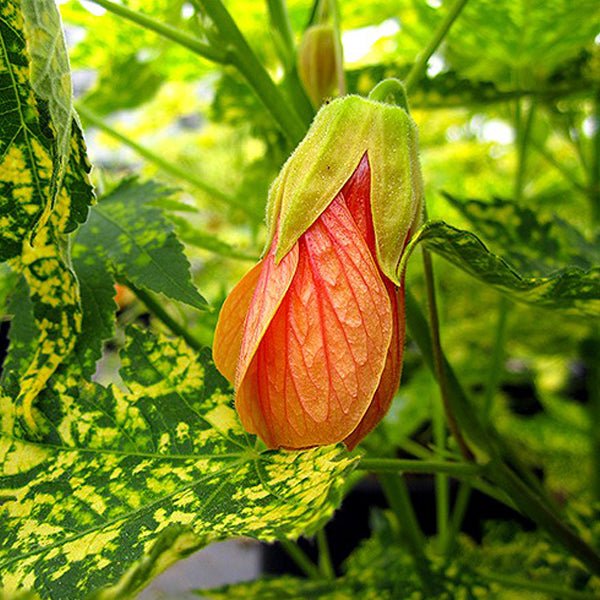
(320, 360)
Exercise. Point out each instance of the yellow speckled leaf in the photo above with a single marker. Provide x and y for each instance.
(44, 187)
(119, 474)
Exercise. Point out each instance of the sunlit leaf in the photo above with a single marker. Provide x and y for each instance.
(118, 469)
(524, 36)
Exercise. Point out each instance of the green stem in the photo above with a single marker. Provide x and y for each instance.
(594, 185)
(438, 356)
(495, 366)
(339, 49)
(396, 493)
(523, 130)
(555, 591)
(566, 173)
(538, 508)
(162, 315)
(441, 481)
(325, 564)
(245, 60)
(400, 465)
(299, 557)
(419, 66)
(458, 513)
(280, 22)
(284, 42)
(217, 55)
(166, 166)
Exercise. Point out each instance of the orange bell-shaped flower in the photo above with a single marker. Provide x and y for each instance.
(313, 345)
(311, 338)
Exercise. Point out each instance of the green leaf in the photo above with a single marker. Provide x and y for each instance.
(118, 471)
(97, 288)
(572, 289)
(539, 247)
(138, 242)
(522, 36)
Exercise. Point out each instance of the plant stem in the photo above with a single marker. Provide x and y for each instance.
(244, 59)
(564, 171)
(162, 315)
(325, 564)
(523, 130)
(551, 589)
(419, 66)
(397, 496)
(339, 49)
(594, 185)
(529, 501)
(497, 357)
(441, 481)
(438, 356)
(183, 39)
(166, 166)
(281, 24)
(299, 557)
(284, 42)
(400, 465)
(458, 513)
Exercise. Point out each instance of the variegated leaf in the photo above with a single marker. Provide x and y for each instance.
(44, 188)
(572, 289)
(120, 473)
(128, 236)
(138, 241)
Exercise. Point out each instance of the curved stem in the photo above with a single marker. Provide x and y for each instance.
(183, 39)
(325, 564)
(302, 561)
(399, 465)
(419, 66)
(396, 493)
(244, 59)
(438, 357)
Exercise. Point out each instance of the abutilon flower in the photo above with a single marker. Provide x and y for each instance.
(312, 336)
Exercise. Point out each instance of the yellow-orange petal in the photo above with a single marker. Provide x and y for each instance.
(390, 378)
(320, 360)
(230, 325)
(273, 283)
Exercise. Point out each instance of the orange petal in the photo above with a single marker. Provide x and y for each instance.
(390, 378)
(320, 360)
(230, 326)
(271, 287)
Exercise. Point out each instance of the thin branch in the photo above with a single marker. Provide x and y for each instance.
(183, 39)
(419, 66)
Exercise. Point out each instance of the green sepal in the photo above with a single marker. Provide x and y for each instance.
(342, 132)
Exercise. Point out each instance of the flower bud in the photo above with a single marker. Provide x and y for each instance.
(312, 336)
(317, 62)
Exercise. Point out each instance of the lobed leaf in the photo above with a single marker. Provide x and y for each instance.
(142, 476)
(138, 242)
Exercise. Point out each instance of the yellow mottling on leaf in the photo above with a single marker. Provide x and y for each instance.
(223, 417)
(182, 432)
(44, 162)
(13, 168)
(90, 545)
